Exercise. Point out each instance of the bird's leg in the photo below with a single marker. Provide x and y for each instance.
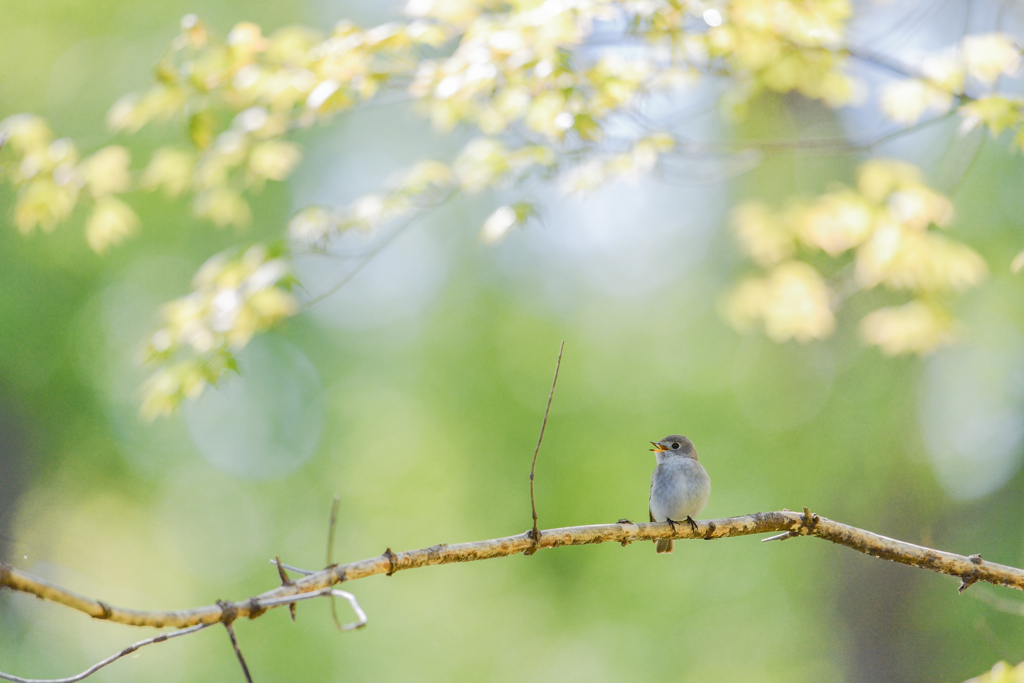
(693, 524)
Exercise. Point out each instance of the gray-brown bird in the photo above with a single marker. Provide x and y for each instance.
(680, 487)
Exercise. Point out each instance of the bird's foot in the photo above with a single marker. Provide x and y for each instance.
(672, 523)
(693, 524)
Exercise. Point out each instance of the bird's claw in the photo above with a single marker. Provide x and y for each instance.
(693, 524)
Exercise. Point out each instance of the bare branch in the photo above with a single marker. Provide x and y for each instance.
(534, 534)
(761, 522)
(969, 569)
(803, 524)
(112, 658)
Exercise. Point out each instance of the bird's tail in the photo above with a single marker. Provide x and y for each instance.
(665, 545)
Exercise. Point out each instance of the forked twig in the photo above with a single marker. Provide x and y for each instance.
(535, 534)
(336, 592)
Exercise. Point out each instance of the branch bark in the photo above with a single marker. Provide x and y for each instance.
(969, 569)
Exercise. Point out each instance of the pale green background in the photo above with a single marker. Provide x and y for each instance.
(417, 392)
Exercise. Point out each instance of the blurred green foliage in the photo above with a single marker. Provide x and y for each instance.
(416, 390)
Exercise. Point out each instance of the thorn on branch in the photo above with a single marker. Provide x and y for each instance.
(285, 581)
(228, 612)
(970, 578)
(623, 520)
(256, 609)
(534, 533)
(810, 521)
(392, 561)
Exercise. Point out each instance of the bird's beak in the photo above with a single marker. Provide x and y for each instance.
(658, 448)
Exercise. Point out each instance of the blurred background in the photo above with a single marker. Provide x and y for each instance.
(417, 390)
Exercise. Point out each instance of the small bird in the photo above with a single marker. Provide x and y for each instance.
(680, 487)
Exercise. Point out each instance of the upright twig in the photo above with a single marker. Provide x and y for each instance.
(330, 552)
(535, 534)
(331, 524)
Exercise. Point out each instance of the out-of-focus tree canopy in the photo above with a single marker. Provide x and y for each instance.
(553, 90)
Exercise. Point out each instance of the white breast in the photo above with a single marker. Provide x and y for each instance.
(680, 488)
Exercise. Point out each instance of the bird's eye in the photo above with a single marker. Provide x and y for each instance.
(675, 445)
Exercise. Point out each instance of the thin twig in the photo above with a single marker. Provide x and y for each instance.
(829, 145)
(330, 551)
(331, 524)
(238, 651)
(363, 262)
(112, 658)
(297, 570)
(535, 535)
(376, 249)
(1002, 604)
(355, 608)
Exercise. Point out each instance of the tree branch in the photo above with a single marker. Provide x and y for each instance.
(968, 569)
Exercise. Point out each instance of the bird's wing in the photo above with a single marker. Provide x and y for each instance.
(650, 513)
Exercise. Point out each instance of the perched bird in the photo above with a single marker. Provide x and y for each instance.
(680, 487)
